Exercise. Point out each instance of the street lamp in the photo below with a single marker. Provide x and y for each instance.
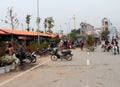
(61, 31)
(74, 20)
(69, 29)
(68, 24)
(38, 21)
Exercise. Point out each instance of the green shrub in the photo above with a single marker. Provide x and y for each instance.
(89, 41)
(34, 46)
(2, 49)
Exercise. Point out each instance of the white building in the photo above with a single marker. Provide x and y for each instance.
(86, 28)
(113, 33)
(97, 32)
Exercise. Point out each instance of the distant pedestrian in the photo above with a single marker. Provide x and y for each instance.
(69, 44)
(81, 44)
(9, 52)
(9, 49)
(65, 44)
(61, 43)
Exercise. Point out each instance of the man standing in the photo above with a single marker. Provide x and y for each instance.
(81, 44)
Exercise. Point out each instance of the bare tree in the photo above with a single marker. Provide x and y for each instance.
(12, 20)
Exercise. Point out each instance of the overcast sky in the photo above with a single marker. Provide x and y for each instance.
(62, 11)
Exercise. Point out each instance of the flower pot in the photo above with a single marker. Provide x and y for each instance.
(7, 68)
(12, 67)
(2, 70)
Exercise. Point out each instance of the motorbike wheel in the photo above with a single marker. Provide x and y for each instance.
(34, 60)
(114, 51)
(69, 57)
(27, 60)
(53, 57)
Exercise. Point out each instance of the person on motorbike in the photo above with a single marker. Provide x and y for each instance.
(108, 45)
(21, 53)
(65, 44)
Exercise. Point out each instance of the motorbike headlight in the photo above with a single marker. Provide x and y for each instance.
(35, 55)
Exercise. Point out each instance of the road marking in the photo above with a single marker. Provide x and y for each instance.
(88, 53)
(87, 86)
(15, 77)
(88, 62)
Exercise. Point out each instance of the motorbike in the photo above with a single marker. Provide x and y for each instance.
(27, 57)
(106, 47)
(43, 52)
(33, 57)
(64, 54)
(114, 49)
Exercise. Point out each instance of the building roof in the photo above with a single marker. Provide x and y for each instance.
(5, 31)
(1, 32)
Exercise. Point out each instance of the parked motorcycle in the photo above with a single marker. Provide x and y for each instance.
(33, 57)
(43, 52)
(27, 57)
(64, 54)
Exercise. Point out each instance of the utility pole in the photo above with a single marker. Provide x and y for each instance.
(22, 25)
(69, 31)
(38, 21)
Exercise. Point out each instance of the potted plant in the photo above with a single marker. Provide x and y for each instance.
(2, 67)
(6, 63)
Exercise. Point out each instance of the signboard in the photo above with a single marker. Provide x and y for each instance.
(22, 37)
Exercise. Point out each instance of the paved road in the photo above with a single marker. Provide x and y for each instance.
(94, 69)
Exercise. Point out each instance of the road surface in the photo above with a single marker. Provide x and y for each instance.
(87, 69)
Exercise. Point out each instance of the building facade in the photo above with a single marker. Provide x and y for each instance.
(97, 32)
(107, 25)
(86, 28)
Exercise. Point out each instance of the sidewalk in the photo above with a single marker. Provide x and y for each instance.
(5, 76)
